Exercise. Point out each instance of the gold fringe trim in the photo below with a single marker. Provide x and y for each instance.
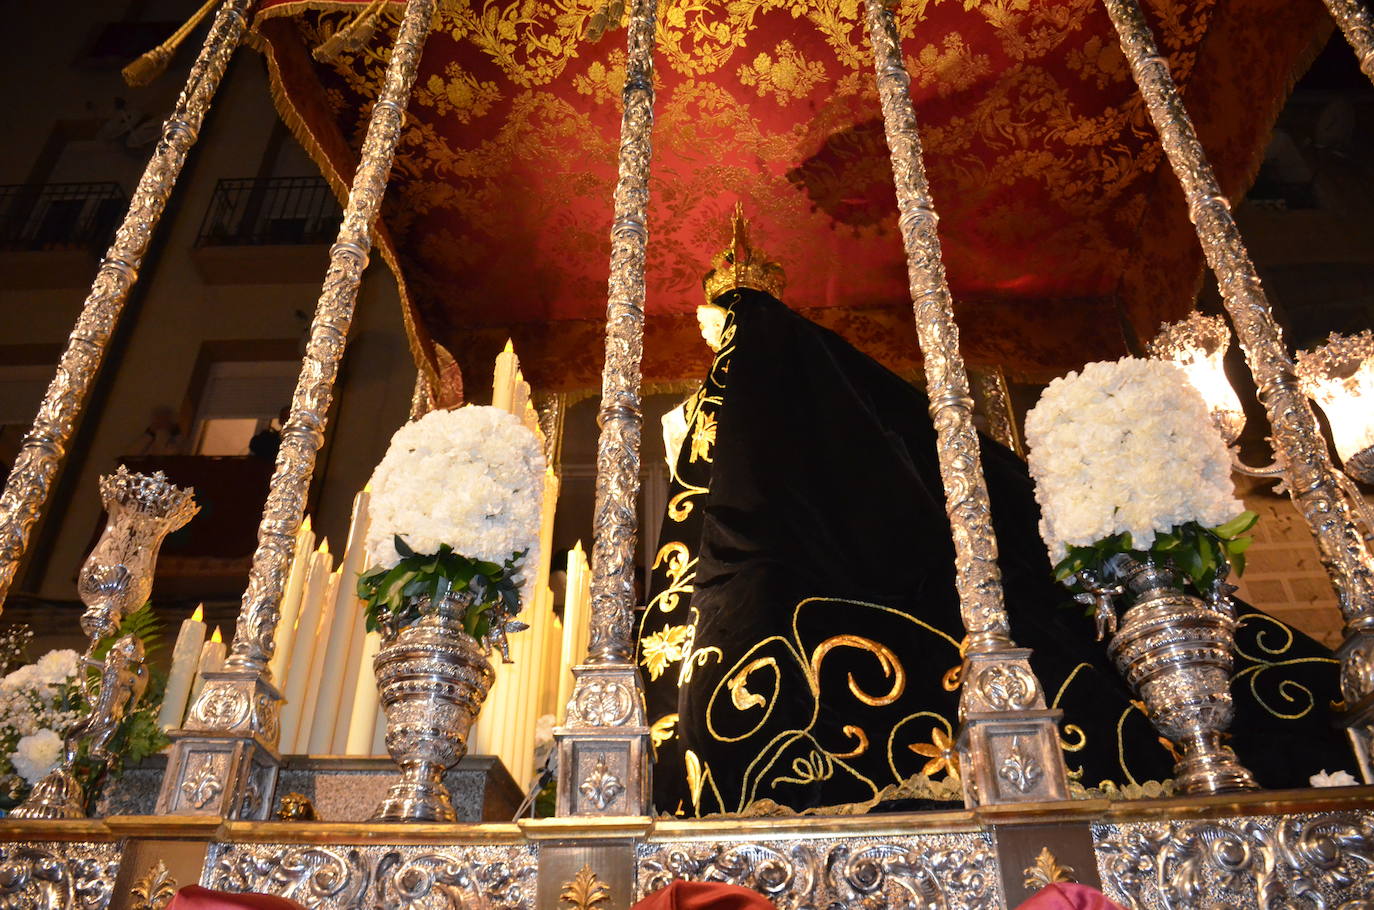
(152, 64)
(301, 131)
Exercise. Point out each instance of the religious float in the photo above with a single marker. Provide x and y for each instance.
(849, 681)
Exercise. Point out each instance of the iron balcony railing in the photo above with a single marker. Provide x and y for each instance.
(280, 210)
(60, 216)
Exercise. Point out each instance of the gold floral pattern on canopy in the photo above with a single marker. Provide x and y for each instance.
(1062, 230)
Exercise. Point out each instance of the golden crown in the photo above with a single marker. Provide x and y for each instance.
(742, 266)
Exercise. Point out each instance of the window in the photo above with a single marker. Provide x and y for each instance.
(241, 399)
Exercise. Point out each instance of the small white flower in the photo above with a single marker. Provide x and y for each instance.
(37, 754)
(1334, 779)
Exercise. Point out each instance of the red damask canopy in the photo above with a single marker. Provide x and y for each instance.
(1064, 232)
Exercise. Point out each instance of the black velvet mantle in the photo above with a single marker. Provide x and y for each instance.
(803, 630)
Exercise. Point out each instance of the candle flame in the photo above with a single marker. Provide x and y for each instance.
(199, 615)
(324, 546)
(305, 525)
(510, 347)
(216, 636)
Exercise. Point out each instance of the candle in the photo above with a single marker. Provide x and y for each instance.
(520, 397)
(340, 659)
(362, 720)
(503, 381)
(576, 618)
(317, 655)
(211, 660)
(303, 645)
(291, 604)
(185, 656)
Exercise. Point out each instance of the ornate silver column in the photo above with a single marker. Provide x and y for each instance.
(602, 749)
(1008, 741)
(1299, 448)
(1357, 24)
(224, 759)
(45, 446)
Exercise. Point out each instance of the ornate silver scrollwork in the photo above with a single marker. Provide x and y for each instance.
(949, 871)
(203, 783)
(602, 701)
(498, 877)
(1247, 863)
(1008, 687)
(57, 876)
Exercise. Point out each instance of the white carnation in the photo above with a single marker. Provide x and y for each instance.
(1126, 446)
(472, 478)
(36, 754)
(56, 667)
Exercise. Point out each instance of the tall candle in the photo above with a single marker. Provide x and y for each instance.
(185, 657)
(503, 380)
(303, 646)
(362, 721)
(312, 686)
(291, 604)
(211, 660)
(576, 616)
(334, 668)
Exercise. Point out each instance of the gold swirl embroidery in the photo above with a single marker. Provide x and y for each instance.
(858, 734)
(1291, 691)
(698, 775)
(662, 730)
(892, 667)
(1068, 679)
(680, 506)
(740, 696)
(816, 767)
(1075, 730)
(941, 752)
(953, 678)
(680, 574)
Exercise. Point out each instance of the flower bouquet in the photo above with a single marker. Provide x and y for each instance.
(1134, 485)
(454, 518)
(41, 702)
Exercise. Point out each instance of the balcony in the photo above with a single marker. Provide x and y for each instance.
(51, 234)
(267, 231)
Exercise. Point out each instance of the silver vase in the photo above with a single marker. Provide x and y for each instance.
(432, 678)
(114, 581)
(1174, 649)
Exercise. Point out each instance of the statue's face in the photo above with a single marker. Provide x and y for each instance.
(711, 321)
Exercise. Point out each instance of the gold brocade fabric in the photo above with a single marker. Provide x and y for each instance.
(1058, 220)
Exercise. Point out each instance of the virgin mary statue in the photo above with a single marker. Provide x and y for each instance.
(801, 640)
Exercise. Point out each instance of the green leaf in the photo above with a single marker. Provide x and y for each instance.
(1238, 563)
(402, 547)
(1236, 526)
(1238, 545)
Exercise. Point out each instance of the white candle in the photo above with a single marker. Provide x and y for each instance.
(336, 665)
(211, 660)
(303, 645)
(349, 690)
(291, 604)
(362, 721)
(317, 656)
(503, 380)
(185, 657)
(576, 615)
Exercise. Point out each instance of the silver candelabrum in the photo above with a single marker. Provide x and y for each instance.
(1174, 650)
(432, 678)
(114, 581)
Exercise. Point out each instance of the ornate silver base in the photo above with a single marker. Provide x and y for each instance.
(432, 679)
(1175, 650)
(59, 795)
(419, 796)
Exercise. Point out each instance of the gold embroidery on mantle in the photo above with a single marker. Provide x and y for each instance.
(584, 890)
(1046, 870)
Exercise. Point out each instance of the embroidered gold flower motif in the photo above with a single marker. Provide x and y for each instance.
(790, 77)
(662, 648)
(703, 437)
(940, 751)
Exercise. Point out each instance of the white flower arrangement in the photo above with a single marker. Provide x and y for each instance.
(456, 507)
(1126, 447)
(472, 478)
(37, 702)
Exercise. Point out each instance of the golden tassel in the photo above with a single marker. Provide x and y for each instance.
(352, 36)
(151, 65)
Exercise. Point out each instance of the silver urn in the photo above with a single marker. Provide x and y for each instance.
(1174, 650)
(432, 678)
